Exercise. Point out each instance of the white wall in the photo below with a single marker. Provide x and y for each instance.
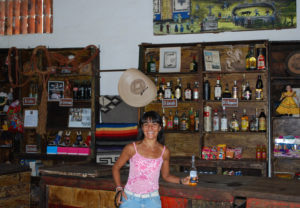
(118, 27)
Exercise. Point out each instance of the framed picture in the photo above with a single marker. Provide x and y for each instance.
(212, 60)
(79, 118)
(170, 60)
(55, 90)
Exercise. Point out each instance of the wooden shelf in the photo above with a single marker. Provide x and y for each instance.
(42, 156)
(236, 72)
(237, 132)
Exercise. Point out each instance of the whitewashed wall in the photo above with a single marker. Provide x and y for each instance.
(118, 27)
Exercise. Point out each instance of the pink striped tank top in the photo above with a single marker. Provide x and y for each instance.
(143, 173)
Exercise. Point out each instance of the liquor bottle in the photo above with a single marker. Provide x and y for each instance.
(263, 152)
(75, 90)
(176, 121)
(258, 152)
(248, 60)
(188, 93)
(183, 122)
(262, 121)
(160, 92)
(218, 90)
(235, 90)
(196, 92)
(156, 83)
(248, 92)
(89, 91)
(193, 173)
(252, 59)
(261, 64)
(259, 88)
(216, 121)
(226, 93)
(31, 90)
(191, 120)
(197, 121)
(168, 91)
(256, 119)
(151, 67)
(243, 88)
(194, 65)
(253, 124)
(164, 119)
(81, 91)
(170, 122)
(224, 123)
(178, 93)
(234, 123)
(244, 121)
(207, 119)
(172, 91)
(206, 90)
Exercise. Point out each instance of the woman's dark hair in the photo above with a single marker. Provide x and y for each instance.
(154, 117)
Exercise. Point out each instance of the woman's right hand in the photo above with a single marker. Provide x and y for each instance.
(121, 194)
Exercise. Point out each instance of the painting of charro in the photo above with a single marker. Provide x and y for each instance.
(200, 16)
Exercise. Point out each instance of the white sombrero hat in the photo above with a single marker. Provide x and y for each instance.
(136, 89)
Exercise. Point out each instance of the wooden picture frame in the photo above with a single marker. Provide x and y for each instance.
(170, 60)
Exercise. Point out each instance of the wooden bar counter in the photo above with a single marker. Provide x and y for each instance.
(211, 191)
(14, 186)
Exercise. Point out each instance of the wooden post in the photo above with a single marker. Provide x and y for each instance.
(32, 16)
(39, 17)
(47, 15)
(9, 16)
(2, 17)
(17, 13)
(24, 18)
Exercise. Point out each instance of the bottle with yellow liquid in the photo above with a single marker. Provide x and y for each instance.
(193, 173)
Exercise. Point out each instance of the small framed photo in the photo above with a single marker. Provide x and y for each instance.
(79, 118)
(55, 90)
(170, 60)
(212, 60)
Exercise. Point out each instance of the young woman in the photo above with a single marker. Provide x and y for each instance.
(148, 156)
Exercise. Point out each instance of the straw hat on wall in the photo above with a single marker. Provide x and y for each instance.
(135, 88)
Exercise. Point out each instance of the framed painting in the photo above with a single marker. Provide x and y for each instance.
(202, 16)
(170, 60)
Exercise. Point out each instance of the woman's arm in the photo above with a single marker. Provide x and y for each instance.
(165, 171)
(124, 157)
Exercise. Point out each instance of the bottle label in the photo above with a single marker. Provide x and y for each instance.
(196, 95)
(261, 62)
(224, 124)
(259, 94)
(178, 93)
(262, 124)
(216, 124)
(218, 92)
(168, 93)
(193, 177)
(152, 67)
(245, 125)
(188, 94)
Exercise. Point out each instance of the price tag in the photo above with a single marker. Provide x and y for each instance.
(66, 102)
(29, 101)
(169, 103)
(230, 102)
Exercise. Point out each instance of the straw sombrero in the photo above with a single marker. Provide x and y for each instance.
(136, 89)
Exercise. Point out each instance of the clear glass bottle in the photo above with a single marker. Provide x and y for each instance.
(188, 92)
(164, 119)
(170, 121)
(216, 121)
(193, 173)
(235, 90)
(183, 122)
(248, 92)
(178, 91)
(168, 91)
(224, 121)
(196, 92)
(245, 121)
(218, 90)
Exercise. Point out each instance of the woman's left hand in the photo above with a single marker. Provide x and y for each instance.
(186, 180)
